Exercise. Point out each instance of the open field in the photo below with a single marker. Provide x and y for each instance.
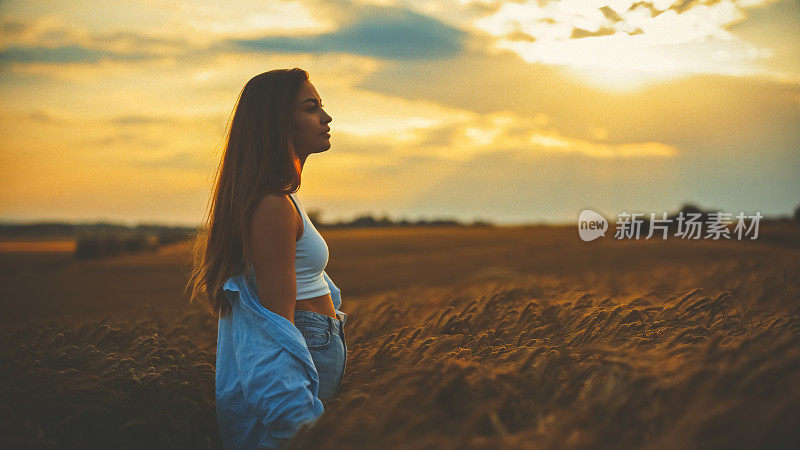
(518, 337)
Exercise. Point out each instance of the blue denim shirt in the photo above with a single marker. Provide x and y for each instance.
(266, 382)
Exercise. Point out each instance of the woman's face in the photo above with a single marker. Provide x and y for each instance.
(310, 130)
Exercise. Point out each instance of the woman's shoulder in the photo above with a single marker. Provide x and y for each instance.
(274, 200)
(275, 211)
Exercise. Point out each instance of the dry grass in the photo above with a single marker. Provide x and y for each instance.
(137, 382)
(526, 339)
(543, 364)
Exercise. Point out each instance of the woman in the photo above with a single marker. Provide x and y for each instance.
(280, 345)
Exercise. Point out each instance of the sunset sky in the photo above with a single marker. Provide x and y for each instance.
(518, 111)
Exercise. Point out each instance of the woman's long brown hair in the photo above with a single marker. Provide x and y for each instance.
(259, 158)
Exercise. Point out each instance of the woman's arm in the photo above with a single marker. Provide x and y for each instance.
(274, 230)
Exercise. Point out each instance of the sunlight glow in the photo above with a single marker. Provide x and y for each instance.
(630, 49)
(551, 143)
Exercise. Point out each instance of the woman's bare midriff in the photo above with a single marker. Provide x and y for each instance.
(322, 304)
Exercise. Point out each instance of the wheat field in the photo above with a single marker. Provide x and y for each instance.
(507, 337)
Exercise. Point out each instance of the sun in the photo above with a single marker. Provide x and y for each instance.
(615, 79)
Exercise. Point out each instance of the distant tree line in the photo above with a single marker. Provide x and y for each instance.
(73, 230)
(368, 220)
(97, 240)
(97, 245)
(102, 245)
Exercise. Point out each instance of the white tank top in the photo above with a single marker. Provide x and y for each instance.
(310, 259)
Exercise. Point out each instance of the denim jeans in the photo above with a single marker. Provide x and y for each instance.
(326, 342)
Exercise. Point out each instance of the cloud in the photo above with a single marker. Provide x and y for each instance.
(611, 14)
(547, 19)
(248, 19)
(379, 32)
(45, 117)
(466, 135)
(65, 54)
(708, 112)
(138, 120)
(48, 40)
(129, 140)
(184, 161)
(619, 45)
(578, 33)
(775, 28)
(604, 150)
(383, 33)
